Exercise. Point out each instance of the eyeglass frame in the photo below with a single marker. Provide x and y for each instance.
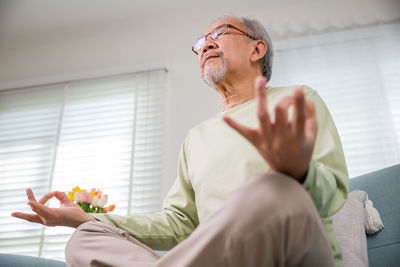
(214, 31)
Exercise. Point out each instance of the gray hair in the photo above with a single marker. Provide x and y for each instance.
(256, 29)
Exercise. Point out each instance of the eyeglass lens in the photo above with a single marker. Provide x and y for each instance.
(199, 43)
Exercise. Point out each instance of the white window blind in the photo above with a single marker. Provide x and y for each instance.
(105, 133)
(357, 73)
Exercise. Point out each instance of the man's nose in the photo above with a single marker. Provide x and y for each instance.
(209, 44)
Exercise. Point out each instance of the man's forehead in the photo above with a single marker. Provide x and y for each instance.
(231, 20)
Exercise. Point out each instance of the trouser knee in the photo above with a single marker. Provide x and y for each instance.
(84, 238)
(275, 206)
(271, 194)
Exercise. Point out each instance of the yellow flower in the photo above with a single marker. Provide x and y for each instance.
(76, 189)
(93, 201)
(71, 196)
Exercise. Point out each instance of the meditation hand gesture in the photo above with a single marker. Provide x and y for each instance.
(286, 145)
(68, 214)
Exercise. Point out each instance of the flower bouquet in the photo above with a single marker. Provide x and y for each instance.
(91, 202)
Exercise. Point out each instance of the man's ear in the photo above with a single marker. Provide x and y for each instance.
(260, 48)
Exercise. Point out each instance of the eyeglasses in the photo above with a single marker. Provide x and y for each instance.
(215, 34)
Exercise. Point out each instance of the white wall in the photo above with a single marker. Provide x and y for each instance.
(159, 36)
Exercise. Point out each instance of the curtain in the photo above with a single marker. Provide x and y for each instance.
(104, 133)
(357, 73)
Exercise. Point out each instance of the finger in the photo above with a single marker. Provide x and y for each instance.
(310, 108)
(28, 217)
(46, 197)
(30, 195)
(299, 114)
(281, 113)
(249, 134)
(311, 123)
(40, 209)
(262, 109)
(62, 197)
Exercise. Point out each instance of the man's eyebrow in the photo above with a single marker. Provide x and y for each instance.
(216, 28)
(219, 26)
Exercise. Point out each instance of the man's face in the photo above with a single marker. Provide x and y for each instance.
(225, 55)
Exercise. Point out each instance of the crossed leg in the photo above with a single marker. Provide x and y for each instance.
(270, 220)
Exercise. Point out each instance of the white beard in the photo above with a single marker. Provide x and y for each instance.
(212, 76)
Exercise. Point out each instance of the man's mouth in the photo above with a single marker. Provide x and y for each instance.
(207, 57)
(211, 58)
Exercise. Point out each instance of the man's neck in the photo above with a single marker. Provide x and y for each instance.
(234, 92)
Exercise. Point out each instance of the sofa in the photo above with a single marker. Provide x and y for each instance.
(382, 187)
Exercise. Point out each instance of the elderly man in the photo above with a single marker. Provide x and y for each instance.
(256, 184)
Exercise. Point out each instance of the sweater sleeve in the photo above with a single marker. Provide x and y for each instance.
(327, 177)
(165, 229)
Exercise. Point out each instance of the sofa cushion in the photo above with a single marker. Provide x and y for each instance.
(349, 227)
(383, 188)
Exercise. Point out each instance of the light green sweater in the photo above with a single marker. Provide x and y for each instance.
(215, 159)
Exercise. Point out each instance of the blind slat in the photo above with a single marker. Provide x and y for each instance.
(357, 73)
(79, 133)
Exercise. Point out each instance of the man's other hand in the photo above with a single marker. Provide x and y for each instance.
(68, 214)
(286, 145)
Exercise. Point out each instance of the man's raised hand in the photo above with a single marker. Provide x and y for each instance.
(286, 145)
(68, 214)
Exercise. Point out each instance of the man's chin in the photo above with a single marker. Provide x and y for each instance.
(212, 69)
(212, 74)
(209, 67)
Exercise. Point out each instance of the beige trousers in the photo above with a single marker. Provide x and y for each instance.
(270, 220)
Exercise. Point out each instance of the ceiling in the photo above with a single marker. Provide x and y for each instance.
(20, 17)
(26, 16)
(23, 16)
